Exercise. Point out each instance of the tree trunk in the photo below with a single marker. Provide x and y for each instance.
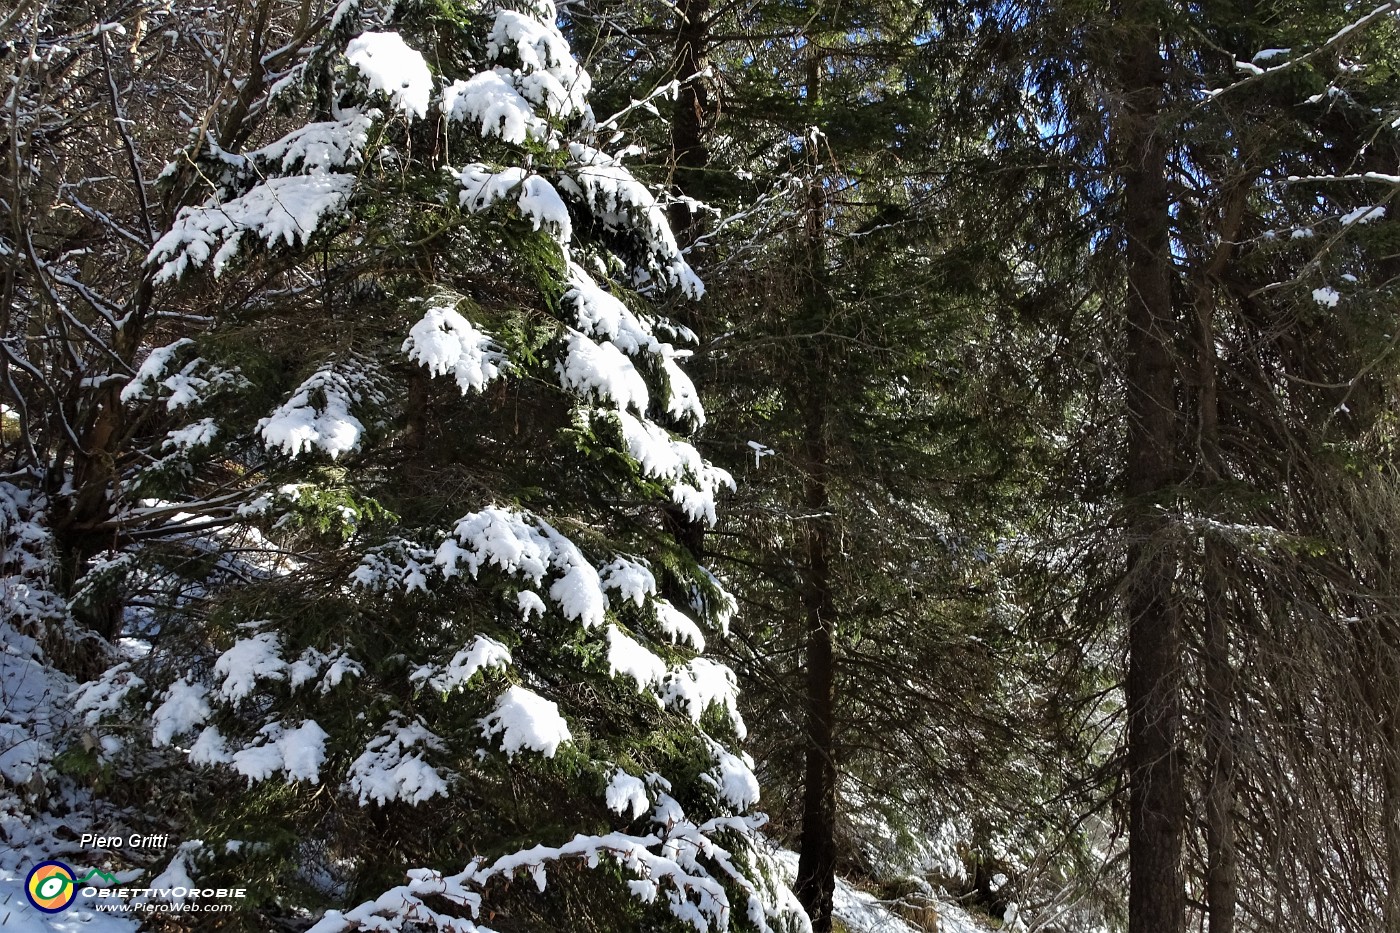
(1221, 872)
(1391, 769)
(1156, 800)
(689, 127)
(816, 867)
(1222, 890)
(690, 120)
(816, 864)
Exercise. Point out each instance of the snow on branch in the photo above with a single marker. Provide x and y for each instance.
(550, 76)
(392, 766)
(525, 720)
(287, 208)
(521, 544)
(538, 200)
(685, 876)
(318, 415)
(392, 67)
(446, 343)
(317, 148)
(1254, 71)
(621, 202)
(694, 483)
(489, 100)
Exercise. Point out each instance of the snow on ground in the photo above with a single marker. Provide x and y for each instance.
(957, 920)
(862, 912)
(26, 840)
(17, 916)
(34, 704)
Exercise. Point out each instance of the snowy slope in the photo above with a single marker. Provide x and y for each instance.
(17, 916)
(26, 840)
(33, 700)
(862, 912)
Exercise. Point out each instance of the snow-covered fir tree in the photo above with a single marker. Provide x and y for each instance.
(426, 639)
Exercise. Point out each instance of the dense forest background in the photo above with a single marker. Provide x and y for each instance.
(454, 453)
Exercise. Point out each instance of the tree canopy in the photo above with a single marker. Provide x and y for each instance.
(454, 453)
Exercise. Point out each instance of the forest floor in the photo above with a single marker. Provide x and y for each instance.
(857, 911)
(861, 912)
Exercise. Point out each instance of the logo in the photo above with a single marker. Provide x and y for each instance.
(50, 887)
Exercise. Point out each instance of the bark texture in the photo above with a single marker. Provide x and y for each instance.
(1156, 895)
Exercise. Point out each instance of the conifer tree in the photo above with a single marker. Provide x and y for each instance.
(429, 634)
(1184, 126)
(843, 309)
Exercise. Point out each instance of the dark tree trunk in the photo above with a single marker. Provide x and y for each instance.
(689, 127)
(82, 523)
(690, 120)
(1222, 889)
(415, 432)
(816, 864)
(816, 867)
(1390, 768)
(1221, 871)
(1156, 802)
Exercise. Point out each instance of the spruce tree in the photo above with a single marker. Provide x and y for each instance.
(428, 634)
(1231, 370)
(862, 345)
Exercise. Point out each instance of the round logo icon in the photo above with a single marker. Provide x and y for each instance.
(50, 887)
